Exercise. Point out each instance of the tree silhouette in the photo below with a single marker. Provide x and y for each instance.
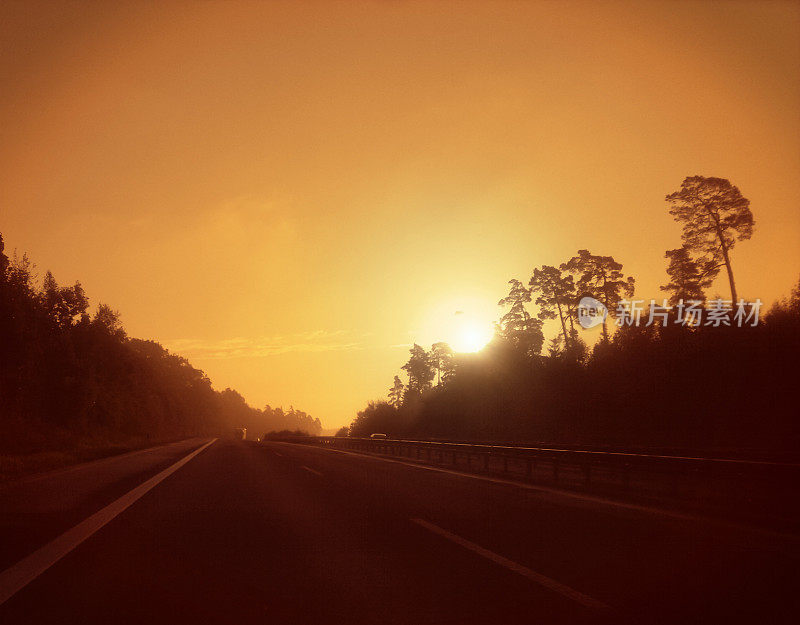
(3, 259)
(396, 393)
(556, 294)
(442, 360)
(602, 277)
(71, 381)
(686, 281)
(108, 320)
(714, 215)
(376, 417)
(420, 372)
(652, 389)
(63, 305)
(517, 326)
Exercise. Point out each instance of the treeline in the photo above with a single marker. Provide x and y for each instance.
(680, 373)
(259, 422)
(68, 377)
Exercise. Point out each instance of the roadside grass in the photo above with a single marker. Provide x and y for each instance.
(14, 467)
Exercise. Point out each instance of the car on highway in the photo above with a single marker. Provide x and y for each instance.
(377, 435)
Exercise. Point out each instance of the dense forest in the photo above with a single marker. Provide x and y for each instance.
(70, 378)
(683, 372)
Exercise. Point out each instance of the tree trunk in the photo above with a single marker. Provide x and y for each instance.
(725, 257)
(730, 272)
(608, 312)
(563, 325)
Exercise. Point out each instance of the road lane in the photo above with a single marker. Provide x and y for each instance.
(16, 577)
(294, 534)
(656, 567)
(37, 509)
(240, 535)
(538, 578)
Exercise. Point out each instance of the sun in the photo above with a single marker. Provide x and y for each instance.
(464, 322)
(470, 336)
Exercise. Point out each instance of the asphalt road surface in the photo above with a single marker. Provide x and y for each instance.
(235, 532)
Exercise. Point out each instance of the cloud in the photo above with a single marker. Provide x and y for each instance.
(254, 347)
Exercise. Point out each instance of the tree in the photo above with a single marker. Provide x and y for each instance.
(418, 367)
(108, 319)
(343, 432)
(714, 215)
(19, 275)
(442, 360)
(51, 297)
(63, 304)
(396, 393)
(602, 277)
(376, 417)
(517, 326)
(556, 346)
(686, 280)
(786, 311)
(556, 294)
(87, 383)
(3, 260)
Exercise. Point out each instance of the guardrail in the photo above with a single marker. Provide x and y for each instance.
(702, 477)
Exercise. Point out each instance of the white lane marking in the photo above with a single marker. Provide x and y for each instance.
(582, 497)
(74, 468)
(312, 470)
(278, 454)
(15, 578)
(540, 579)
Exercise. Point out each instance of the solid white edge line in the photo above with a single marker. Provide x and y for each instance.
(46, 475)
(542, 580)
(15, 578)
(312, 470)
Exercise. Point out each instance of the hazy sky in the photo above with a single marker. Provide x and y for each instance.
(289, 194)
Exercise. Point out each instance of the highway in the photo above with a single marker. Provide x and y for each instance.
(236, 532)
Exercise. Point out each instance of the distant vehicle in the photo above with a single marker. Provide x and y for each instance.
(240, 434)
(377, 435)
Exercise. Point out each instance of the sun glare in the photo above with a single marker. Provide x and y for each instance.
(466, 323)
(470, 335)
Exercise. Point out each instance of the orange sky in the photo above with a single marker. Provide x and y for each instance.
(288, 194)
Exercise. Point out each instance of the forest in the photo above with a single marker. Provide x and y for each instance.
(70, 378)
(683, 373)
